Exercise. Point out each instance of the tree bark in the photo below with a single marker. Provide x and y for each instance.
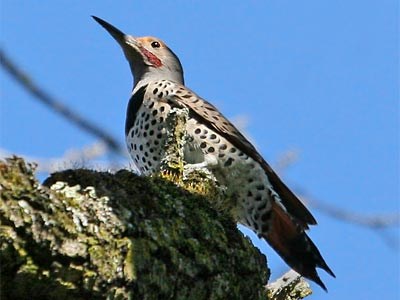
(95, 235)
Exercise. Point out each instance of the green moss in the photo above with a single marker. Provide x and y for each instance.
(87, 234)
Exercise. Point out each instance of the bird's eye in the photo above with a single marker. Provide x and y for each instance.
(155, 44)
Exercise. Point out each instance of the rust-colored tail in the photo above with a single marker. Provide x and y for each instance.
(292, 243)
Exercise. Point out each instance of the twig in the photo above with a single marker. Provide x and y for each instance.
(374, 221)
(285, 160)
(41, 95)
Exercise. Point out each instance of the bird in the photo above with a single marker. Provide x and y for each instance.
(263, 202)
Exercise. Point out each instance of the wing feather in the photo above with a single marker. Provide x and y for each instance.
(208, 114)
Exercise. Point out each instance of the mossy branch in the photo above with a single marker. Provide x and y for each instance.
(95, 235)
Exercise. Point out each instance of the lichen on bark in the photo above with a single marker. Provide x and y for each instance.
(84, 234)
(95, 235)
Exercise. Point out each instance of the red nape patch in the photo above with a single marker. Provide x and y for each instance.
(151, 57)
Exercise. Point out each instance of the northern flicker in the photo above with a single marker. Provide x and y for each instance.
(264, 203)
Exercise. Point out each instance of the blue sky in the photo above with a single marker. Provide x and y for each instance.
(317, 77)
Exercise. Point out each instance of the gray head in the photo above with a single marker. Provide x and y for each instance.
(149, 57)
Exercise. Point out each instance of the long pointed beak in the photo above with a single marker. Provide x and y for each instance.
(129, 44)
(117, 34)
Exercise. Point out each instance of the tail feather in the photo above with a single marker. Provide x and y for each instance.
(291, 242)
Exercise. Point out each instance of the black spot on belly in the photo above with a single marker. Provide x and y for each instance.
(262, 206)
(260, 187)
(255, 226)
(229, 162)
(266, 216)
(250, 210)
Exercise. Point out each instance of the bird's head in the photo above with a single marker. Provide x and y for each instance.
(149, 57)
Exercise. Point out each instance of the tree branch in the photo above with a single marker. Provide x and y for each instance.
(97, 235)
(54, 104)
(375, 221)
